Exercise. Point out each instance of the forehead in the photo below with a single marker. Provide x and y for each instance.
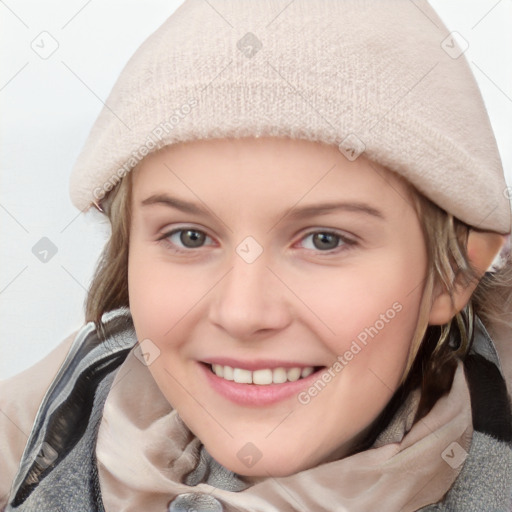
(275, 168)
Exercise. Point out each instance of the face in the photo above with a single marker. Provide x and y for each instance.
(278, 286)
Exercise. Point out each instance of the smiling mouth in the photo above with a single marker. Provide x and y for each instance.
(264, 376)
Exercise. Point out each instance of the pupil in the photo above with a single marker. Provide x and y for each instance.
(327, 240)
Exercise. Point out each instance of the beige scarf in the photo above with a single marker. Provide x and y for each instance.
(144, 450)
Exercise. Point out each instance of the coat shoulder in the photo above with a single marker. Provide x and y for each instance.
(20, 398)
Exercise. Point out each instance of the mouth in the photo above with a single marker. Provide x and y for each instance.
(259, 387)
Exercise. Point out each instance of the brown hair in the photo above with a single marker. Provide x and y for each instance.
(109, 286)
(429, 366)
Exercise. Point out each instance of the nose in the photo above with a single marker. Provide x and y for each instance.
(250, 300)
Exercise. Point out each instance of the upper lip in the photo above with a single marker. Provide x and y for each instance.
(259, 364)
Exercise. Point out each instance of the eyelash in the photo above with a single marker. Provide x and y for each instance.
(346, 243)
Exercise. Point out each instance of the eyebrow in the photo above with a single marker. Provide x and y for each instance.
(294, 213)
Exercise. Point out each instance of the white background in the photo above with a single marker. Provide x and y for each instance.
(48, 107)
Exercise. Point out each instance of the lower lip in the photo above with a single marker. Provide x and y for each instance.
(254, 394)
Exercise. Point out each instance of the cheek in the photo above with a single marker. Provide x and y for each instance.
(163, 302)
(369, 314)
(160, 294)
(359, 296)
(373, 316)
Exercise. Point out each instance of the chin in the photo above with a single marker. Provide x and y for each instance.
(278, 465)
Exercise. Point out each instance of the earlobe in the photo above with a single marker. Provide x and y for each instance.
(483, 246)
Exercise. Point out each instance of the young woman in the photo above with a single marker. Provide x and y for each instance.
(296, 308)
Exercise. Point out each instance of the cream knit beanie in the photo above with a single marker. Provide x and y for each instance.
(381, 77)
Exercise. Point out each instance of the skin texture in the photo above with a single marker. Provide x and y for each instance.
(295, 302)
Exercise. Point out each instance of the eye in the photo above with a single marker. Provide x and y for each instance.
(185, 239)
(327, 241)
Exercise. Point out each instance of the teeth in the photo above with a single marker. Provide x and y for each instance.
(228, 372)
(262, 377)
(306, 371)
(279, 375)
(242, 376)
(293, 374)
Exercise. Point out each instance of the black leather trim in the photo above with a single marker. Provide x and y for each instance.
(490, 403)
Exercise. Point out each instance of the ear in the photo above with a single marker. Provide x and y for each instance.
(483, 246)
